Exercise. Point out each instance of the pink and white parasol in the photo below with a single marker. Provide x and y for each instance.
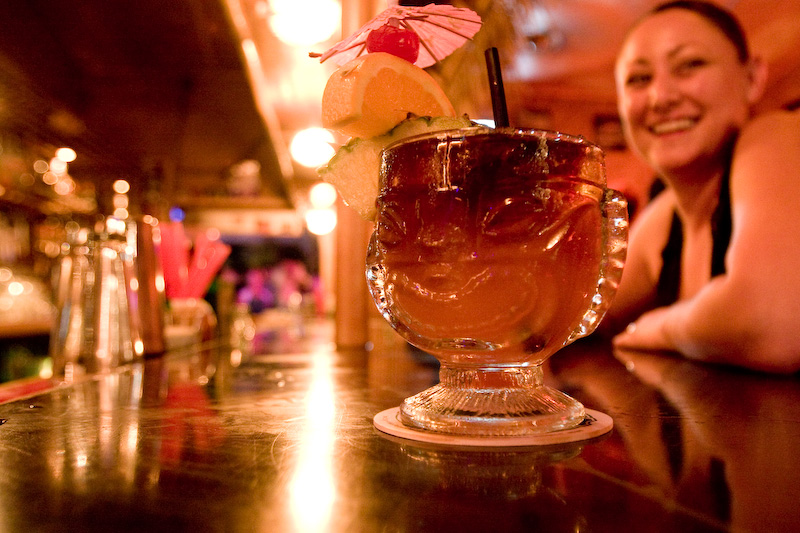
(441, 29)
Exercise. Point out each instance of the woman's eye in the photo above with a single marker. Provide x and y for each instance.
(637, 80)
(690, 65)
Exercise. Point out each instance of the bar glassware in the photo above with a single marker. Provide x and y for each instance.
(492, 250)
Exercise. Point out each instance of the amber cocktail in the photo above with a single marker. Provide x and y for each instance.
(492, 250)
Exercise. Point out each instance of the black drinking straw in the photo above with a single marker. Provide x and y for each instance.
(496, 87)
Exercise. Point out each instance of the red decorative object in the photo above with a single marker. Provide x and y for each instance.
(393, 39)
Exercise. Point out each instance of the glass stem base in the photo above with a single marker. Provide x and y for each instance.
(491, 402)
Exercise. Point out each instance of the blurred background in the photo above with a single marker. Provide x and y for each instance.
(207, 112)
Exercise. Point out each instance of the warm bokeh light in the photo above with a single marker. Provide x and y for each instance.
(66, 155)
(322, 195)
(26, 179)
(213, 234)
(15, 288)
(120, 201)
(116, 225)
(59, 166)
(250, 51)
(311, 147)
(64, 186)
(160, 283)
(121, 187)
(304, 22)
(40, 166)
(321, 221)
(46, 368)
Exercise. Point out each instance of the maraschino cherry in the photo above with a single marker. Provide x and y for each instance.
(391, 38)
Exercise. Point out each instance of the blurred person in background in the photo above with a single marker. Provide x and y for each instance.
(257, 291)
(713, 259)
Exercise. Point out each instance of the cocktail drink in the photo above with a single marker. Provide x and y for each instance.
(493, 249)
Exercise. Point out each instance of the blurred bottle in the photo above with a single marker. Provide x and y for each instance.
(109, 297)
(116, 338)
(147, 299)
(242, 334)
(72, 333)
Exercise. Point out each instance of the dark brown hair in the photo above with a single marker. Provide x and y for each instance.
(718, 16)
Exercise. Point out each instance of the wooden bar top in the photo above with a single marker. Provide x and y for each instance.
(283, 440)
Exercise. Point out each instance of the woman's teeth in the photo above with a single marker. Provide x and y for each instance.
(672, 126)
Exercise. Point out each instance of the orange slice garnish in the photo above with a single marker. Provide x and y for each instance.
(374, 92)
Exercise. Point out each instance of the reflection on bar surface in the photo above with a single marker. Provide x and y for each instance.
(283, 441)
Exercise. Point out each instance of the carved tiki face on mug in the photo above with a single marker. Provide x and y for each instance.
(495, 248)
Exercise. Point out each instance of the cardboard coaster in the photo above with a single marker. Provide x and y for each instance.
(594, 425)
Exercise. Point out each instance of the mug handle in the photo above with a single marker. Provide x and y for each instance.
(615, 247)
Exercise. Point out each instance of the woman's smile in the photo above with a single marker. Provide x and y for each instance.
(676, 125)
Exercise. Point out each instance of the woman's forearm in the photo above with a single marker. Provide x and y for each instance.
(722, 324)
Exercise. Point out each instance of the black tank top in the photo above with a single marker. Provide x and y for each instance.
(669, 281)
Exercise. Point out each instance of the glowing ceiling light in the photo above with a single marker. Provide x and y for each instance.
(311, 147)
(321, 221)
(304, 22)
(322, 195)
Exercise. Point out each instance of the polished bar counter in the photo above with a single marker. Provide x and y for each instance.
(283, 440)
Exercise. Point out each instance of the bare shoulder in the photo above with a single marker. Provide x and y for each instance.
(772, 124)
(764, 254)
(765, 190)
(769, 146)
(766, 165)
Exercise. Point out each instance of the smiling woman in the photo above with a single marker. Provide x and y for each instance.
(710, 271)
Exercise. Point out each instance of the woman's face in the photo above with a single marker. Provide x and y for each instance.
(682, 91)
